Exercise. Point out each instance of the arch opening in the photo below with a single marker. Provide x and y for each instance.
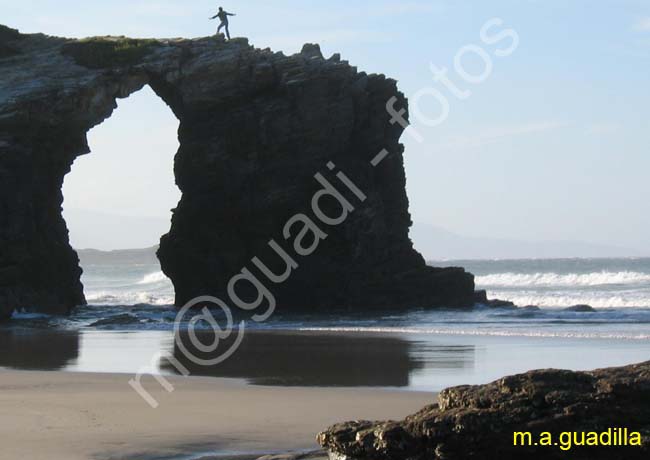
(118, 201)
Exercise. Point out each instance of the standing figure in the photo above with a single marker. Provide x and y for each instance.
(223, 17)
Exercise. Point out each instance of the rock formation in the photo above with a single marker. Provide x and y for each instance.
(479, 422)
(255, 129)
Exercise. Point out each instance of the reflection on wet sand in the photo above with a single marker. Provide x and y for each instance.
(278, 358)
(442, 357)
(37, 349)
(322, 359)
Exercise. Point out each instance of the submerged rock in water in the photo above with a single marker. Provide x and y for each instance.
(479, 422)
(501, 304)
(581, 309)
(117, 320)
(296, 149)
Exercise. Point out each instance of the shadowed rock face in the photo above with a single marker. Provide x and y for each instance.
(478, 422)
(255, 129)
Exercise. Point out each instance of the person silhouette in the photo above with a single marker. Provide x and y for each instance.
(223, 17)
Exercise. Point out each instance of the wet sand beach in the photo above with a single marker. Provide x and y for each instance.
(66, 394)
(72, 416)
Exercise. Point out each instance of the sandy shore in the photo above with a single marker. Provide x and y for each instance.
(69, 416)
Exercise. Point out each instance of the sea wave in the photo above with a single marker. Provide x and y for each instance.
(603, 278)
(569, 298)
(484, 332)
(129, 298)
(154, 278)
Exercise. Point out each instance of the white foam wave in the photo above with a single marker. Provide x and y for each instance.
(129, 298)
(562, 280)
(568, 299)
(153, 278)
(482, 332)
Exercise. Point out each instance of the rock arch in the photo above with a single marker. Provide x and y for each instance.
(255, 127)
(108, 206)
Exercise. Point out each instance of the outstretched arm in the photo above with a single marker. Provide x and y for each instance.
(230, 14)
(214, 16)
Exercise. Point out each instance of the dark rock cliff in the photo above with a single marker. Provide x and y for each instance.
(479, 422)
(256, 127)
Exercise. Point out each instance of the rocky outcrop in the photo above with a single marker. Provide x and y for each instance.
(479, 422)
(260, 135)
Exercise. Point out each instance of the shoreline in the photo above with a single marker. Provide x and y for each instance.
(320, 359)
(63, 415)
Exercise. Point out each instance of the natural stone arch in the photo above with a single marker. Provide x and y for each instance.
(120, 195)
(255, 127)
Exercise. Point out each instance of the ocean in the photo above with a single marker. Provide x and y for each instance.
(130, 317)
(618, 289)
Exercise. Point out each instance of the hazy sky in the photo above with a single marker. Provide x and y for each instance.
(552, 146)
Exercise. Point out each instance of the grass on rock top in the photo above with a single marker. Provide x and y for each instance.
(103, 52)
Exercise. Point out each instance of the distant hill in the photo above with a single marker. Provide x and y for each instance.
(92, 229)
(118, 257)
(438, 244)
(106, 231)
